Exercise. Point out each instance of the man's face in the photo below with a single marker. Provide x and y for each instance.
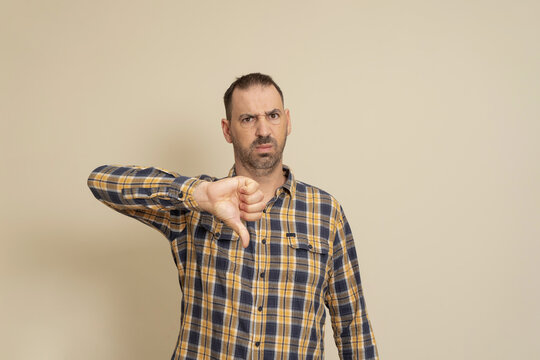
(258, 128)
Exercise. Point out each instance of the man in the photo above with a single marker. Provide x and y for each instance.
(258, 253)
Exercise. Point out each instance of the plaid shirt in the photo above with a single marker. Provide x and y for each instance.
(264, 301)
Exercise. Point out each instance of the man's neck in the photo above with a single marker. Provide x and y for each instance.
(269, 181)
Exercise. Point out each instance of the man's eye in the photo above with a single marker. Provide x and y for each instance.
(247, 119)
(274, 116)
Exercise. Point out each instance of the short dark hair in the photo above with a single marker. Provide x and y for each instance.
(245, 82)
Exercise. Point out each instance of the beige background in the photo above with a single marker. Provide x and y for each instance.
(421, 117)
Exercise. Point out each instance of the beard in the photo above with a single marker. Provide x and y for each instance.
(264, 163)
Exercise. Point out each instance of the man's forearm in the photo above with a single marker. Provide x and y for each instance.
(134, 187)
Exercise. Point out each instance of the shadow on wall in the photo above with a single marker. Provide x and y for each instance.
(103, 294)
(84, 282)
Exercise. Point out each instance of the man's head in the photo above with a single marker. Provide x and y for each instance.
(244, 82)
(257, 124)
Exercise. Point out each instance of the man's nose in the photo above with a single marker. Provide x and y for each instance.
(262, 126)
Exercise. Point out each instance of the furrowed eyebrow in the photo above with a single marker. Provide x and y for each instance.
(241, 116)
(273, 111)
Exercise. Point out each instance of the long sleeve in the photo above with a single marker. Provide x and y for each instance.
(353, 334)
(148, 194)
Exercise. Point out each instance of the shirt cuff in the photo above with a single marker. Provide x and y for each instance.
(183, 188)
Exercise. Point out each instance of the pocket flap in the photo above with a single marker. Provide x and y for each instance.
(226, 233)
(307, 242)
(219, 230)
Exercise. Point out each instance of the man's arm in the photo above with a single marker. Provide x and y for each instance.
(150, 194)
(145, 193)
(353, 334)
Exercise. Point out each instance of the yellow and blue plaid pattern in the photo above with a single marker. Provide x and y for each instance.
(262, 302)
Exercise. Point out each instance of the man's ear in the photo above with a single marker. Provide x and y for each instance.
(226, 127)
(289, 126)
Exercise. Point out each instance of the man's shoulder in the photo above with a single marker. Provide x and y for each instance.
(304, 187)
(308, 192)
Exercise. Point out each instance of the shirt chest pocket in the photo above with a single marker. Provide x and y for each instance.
(306, 262)
(219, 251)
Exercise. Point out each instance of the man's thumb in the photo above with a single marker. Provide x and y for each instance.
(241, 230)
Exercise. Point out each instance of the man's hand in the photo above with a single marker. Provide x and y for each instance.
(232, 200)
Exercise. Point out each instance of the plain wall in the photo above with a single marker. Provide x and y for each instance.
(421, 117)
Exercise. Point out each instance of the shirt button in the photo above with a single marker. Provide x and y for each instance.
(264, 211)
(262, 275)
(217, 234)
(259, 308)
(264, 241)
(180, 194)
(310, 246)
(257, 343)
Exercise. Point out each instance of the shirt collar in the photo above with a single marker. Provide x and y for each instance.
(289, 185)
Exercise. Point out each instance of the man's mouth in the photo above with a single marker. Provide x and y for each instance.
(264, 147)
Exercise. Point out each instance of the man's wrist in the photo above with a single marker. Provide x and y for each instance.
(200, 195)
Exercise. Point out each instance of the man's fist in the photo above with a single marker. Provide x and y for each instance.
(232, 200)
